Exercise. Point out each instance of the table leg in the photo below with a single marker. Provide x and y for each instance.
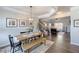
(27, 51)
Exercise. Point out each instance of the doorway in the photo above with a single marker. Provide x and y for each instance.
(59, 26)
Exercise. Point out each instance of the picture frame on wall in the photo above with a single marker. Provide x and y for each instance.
(11, 22)
(22, 23)
(76, 23)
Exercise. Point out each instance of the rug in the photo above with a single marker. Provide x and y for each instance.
(40, 49)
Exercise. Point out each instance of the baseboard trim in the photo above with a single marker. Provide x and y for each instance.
(75, 43)
(4, 46)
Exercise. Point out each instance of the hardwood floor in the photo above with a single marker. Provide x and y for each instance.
(62, 44)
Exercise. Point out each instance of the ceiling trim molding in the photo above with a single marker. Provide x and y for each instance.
(52, 11)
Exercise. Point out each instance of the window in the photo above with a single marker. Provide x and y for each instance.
(58, 26)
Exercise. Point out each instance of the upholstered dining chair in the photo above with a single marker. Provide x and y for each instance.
(14, 45)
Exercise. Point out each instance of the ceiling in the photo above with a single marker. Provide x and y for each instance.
(64, 8)
(62, 11)
(38, 11)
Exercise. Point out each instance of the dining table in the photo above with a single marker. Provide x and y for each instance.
(26, 36)
(27, 44)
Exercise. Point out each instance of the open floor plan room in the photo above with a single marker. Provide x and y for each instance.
(39, 29)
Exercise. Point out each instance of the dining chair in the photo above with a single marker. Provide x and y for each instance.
(14, 45)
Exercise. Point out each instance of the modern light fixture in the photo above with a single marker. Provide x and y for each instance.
(31, 18)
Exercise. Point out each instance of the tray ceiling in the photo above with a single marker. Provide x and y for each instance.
(37, 11)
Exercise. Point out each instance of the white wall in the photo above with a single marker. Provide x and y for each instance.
(4, 31)
(74, 30)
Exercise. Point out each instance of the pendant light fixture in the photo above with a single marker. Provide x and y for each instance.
(31, 18)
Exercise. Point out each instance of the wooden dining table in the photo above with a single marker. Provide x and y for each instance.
(26, 36)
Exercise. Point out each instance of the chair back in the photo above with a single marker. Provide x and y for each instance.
(11, 40)
(22, 32)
